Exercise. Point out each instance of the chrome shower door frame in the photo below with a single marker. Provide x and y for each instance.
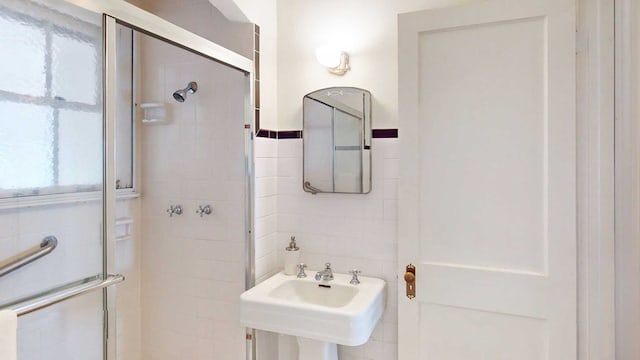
(119, 11)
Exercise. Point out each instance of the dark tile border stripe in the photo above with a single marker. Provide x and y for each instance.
(384, 133)
(291, 134)
(297, 134)
(267, 134)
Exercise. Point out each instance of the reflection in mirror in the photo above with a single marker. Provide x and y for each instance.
(337, 141)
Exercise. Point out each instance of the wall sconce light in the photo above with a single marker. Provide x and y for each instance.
(336, 61)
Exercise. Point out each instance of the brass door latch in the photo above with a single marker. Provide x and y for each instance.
(410, 279)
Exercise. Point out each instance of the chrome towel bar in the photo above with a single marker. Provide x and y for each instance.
(61, 293)
(28, 256)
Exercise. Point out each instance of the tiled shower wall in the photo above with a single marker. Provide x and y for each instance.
(348, 230)
(127, 262)
(192, 267)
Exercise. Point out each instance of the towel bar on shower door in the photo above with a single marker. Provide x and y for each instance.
(28, 256)
(61, 293)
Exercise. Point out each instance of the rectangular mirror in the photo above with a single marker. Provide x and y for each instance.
(337, 141)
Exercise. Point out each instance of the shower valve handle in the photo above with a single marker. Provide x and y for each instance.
(174, 210)
(204, 210)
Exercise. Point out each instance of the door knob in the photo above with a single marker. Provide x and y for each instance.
(409, 277)
(410, 280)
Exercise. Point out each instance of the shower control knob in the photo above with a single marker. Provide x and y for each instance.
(174, 210)
(204, 210)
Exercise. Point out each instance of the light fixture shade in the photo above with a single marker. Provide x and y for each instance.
(336, 61)
(328, 57)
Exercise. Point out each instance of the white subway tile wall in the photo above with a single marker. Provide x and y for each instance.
(266, 205)
(348, 230)
(266, 228)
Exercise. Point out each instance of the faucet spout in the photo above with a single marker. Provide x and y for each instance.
(326, 274)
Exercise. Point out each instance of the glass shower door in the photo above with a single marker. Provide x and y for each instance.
(51, 170)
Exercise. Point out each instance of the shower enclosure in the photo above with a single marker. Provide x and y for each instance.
(79, 162)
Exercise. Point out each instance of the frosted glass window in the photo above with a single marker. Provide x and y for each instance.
(24, 71)
(79, 148)
(50, 102)
(74, 69)
(26, 149)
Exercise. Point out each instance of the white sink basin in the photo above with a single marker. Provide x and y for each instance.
(342, 313)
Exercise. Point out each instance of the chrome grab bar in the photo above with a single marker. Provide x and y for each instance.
(61, 293)
(28, 256)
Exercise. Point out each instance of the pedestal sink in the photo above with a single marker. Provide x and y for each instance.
(320, 314)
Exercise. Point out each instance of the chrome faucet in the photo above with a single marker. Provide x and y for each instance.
(354, 276)
(326, 274)
(301, 273)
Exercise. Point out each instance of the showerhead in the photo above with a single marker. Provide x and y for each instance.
(181, 95)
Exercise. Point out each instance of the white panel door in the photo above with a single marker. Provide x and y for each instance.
(488, 181)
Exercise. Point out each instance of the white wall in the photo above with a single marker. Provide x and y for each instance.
(361, 28)
(367, 30)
